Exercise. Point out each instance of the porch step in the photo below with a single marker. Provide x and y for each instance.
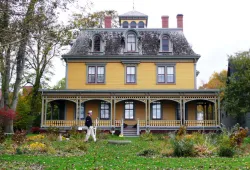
(129, 132)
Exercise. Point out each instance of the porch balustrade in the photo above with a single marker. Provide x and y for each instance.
(200, 122)
(60, 123)
(164, 123)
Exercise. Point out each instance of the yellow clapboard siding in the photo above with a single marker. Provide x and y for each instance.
(115, 78)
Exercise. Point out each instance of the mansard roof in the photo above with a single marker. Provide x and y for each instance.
(148, 41)
(133, 14)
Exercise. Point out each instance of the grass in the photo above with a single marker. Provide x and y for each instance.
(101, 155)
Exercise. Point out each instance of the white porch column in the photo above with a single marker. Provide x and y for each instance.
(149, 101)
(111, 111)
(219, 110)
(146, 110)
(114, 109)
(42, 114)
(46, 105)
(181, 111)
(184, 112)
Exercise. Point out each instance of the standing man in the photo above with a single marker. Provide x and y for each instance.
(90, 130)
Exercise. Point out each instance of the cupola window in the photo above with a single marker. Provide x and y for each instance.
(133, 24)
(141, 24)
(125, 24)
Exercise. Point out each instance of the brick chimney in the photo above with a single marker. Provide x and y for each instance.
(164, 20)
(108, 21)
(179, 21)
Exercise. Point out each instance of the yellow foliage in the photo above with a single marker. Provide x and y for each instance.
(37, 146)
(36, 138)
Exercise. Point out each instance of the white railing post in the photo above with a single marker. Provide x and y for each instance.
(122, 127)
(138, 127)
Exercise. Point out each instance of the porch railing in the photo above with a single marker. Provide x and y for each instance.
(164, 123)
(68, 123)
(118, 123)
(142, 123)
(60, 123)
(200, 122)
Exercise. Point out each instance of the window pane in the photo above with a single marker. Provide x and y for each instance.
(161, 79)
(107, 114)
(100, 70)
(125, 24)
(141, 24)
(91, 78)
(170, 78)
(165, 45)
(133, 24)
(161, 70)
(126, 114)
(131, 115)
(100, 78)
(97, 43)
(170, 70)
(91, 70)
(82, 112)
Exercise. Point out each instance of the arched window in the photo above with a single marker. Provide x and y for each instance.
(141, 24)
(97, 43)
(165, 43)
(133, 24)
(125, 24)
(131, 41)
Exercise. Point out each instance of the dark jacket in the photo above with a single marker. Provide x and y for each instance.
(88, 121)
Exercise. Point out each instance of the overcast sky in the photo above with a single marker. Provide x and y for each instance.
(214, 28)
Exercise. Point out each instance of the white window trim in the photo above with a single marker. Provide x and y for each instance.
(136, 42)
(93, 44)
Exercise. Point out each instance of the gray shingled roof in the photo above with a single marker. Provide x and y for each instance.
(134, 14)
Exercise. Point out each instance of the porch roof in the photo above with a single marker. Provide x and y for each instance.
(182, 91)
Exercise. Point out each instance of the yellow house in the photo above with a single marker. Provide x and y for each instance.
(133, 75)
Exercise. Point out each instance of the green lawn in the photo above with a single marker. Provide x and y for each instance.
(101, 155)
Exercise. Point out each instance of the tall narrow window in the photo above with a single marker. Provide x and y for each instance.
(165, 43)
(97, 44)
(170, 74)
(82, 114)
(133, 24)
(91, 75)
(130, 74)
(161, 74)
(96, 74)
(105, 110)
(141, 24)
(100, 74)
(156, 110)
(129, 110)
(166, 74)
(125, 24)
(131, 42)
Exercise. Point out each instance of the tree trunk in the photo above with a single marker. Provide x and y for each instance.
(21, 53)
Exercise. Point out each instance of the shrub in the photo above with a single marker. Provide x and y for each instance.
(102, 134)
(182, 131)
(247, 140)
(148, 153)
(75, 145)
(226, 151)
(52, 137)
(147, 136)
(237, 137)
(53, 130)
(35, 130)
(2, 136)
(19, 137)
(183, 148)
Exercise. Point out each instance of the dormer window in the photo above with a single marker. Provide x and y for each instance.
(141, 24)
(133, 24)
(125, 24)
(97, 43)
(131, 42)
(165, 43)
